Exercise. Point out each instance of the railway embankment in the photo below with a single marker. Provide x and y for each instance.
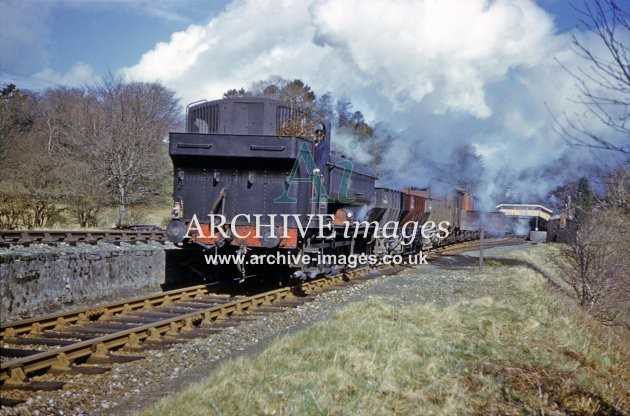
(442, 338)
(438, 339)
(41, 279)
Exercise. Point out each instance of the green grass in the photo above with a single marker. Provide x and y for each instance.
(505, 346)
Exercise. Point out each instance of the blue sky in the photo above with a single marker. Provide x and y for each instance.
(438, 73)
(564, 13)
(111, 34)
(85, 34)
(104, 34)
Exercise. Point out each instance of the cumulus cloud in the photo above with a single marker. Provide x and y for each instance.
(439, 73)
(79, 75)
(249, 41)
(408, 50)
(182, 52)
(404, 51)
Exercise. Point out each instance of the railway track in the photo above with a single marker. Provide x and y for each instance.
(74, 342)
(25, 238)
(473, 245)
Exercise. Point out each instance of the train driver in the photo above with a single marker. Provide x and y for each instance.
(322, 147)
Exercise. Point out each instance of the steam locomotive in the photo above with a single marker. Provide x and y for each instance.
(255, 177)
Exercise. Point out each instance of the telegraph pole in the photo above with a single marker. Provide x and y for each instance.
(481, 237)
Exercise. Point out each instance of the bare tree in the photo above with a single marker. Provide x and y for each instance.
(30, 178)
(596, 265)
(618, 186)
(86, 195)
(56, 107)
(604, 84)
(17, 116)
(75, 151)
(120, 133)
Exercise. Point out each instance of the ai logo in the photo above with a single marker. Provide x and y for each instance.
(315, 176)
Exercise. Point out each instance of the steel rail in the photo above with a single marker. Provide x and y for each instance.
(13, 237)
(13, 372)
(34, 325)
(472, 245)
(59, 359)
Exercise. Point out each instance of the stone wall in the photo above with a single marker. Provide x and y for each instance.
(42, 279)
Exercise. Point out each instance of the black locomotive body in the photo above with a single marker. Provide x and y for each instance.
(253, 176)
(247, 180)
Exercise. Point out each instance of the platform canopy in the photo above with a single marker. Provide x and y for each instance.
(525, 211)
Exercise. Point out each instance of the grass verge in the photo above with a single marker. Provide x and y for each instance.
(503, 346)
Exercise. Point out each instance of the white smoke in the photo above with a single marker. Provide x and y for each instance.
(348, 146)
(436, 73)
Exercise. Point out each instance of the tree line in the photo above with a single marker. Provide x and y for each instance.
(68, 153)
(595, 263)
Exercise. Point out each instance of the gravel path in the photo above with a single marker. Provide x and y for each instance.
(131, 386)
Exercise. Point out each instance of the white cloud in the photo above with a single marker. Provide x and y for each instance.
(249, 41)
(403, 50)
(451, 51)
(180, 53)
(79, 75)
(441, 72)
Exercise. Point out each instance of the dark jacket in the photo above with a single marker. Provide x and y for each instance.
(322, 154)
